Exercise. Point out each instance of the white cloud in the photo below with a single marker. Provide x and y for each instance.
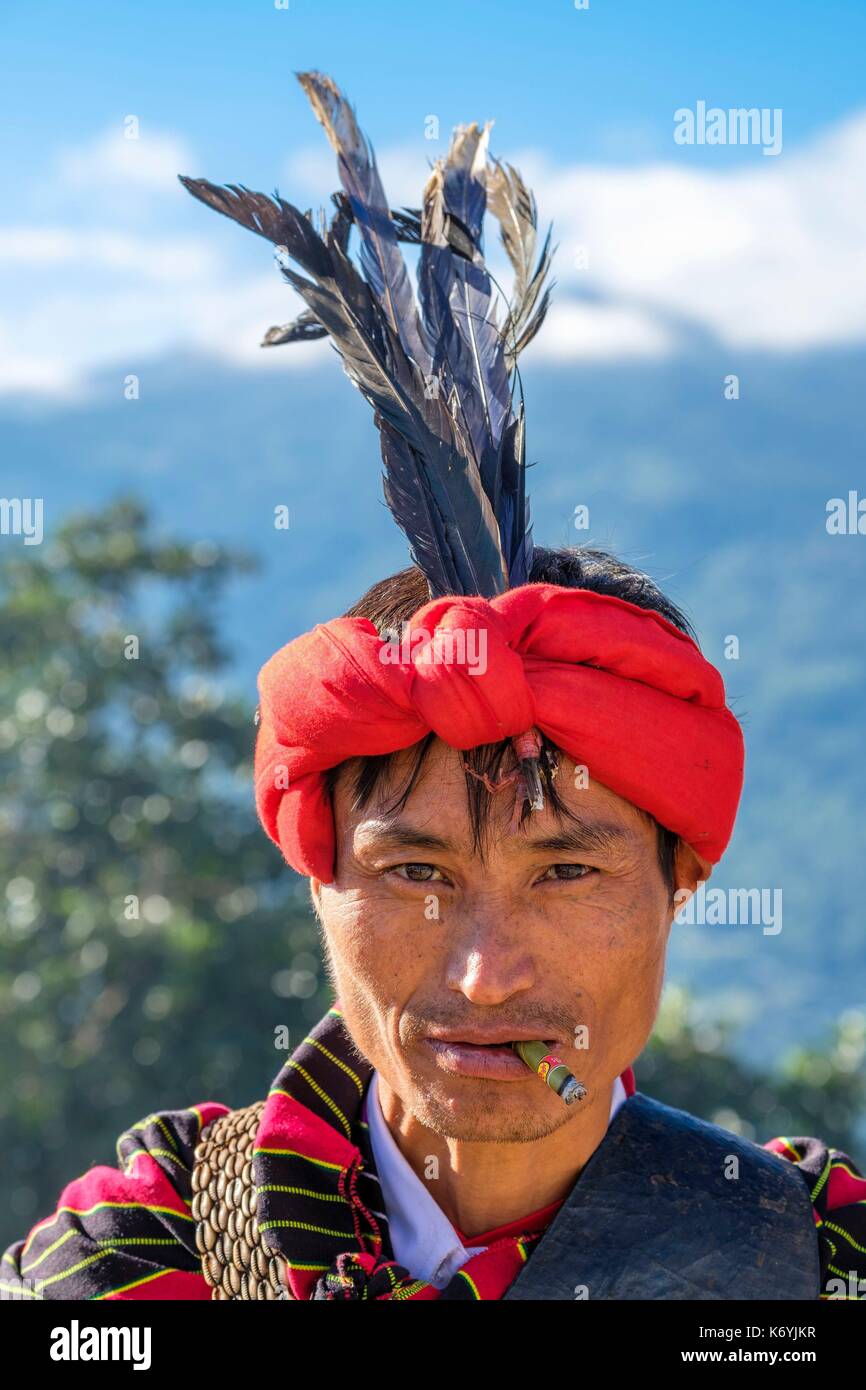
(770, 256)
(767, 255)
(152, 161)
(166, 259)
(54, 343)
(576, 330)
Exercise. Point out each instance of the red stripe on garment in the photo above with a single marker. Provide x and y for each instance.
(286, 1124)
(526, 1225)
(146, 1186)
(492, 1271)
(843, 1188)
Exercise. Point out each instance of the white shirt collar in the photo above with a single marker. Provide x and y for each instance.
(422, 1237)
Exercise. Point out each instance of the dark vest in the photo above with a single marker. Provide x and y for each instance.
(653, 1216)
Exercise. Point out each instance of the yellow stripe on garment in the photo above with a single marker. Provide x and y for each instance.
(780, 1139)
(154, 1153)
(73, 1269)
(136, 1284)
(336, 1060)
(165, 1129)
(301, 1192)
(323, 1095)
(819, 1226)
(846, 1236)
(409, 1291)
(303, 1226)
(471, 1282)
(293, 1153)
(141, 1240)
(194, 1110)
(844, 1274)
(142, 1125)
(98, 1206)
(67, 1235)
(17, 1291)
(825, 1174)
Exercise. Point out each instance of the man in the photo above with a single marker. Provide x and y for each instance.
(502, 771)
(402, 1152)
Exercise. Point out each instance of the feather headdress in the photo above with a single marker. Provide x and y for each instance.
(438, 369)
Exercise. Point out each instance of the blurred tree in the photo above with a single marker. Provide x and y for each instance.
(152, 940)
(690, 1063)
(151, 937)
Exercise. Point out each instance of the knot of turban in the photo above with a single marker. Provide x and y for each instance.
(616, 687)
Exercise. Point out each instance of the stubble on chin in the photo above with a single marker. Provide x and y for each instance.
(483, 1117)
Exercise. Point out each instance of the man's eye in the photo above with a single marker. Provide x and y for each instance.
(569, 872)
(417, 873)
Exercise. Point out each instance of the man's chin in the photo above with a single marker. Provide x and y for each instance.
(480, 1111)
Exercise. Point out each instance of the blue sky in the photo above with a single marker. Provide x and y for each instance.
(106, 262)
(599, 84)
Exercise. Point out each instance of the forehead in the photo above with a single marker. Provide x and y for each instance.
(438, 802)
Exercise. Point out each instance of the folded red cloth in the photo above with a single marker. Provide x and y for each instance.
(616, 687)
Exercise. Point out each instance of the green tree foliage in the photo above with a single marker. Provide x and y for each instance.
(152, 942)
(151, 938)
(821, 1090)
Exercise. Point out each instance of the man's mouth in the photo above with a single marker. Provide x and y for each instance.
(494, 1061)
(473, 1037)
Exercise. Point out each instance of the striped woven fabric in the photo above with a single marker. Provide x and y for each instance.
(128, 1232)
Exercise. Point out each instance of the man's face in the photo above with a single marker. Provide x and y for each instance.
(558, 933)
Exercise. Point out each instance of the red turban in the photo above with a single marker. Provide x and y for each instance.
(616, 687)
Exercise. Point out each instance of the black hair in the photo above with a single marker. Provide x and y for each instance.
(393, 601)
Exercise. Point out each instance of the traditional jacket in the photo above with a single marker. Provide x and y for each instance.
(654, 1186)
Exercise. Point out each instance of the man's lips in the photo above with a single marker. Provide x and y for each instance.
(488, 1037)
(494, 1060)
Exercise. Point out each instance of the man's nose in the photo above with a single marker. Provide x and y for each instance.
(490, 958)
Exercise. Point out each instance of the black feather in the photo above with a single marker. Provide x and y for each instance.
(438, 379)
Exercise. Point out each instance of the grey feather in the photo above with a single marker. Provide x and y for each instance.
(381, 258)
(513, 204)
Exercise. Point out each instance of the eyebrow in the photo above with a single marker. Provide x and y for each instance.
(585, 836)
